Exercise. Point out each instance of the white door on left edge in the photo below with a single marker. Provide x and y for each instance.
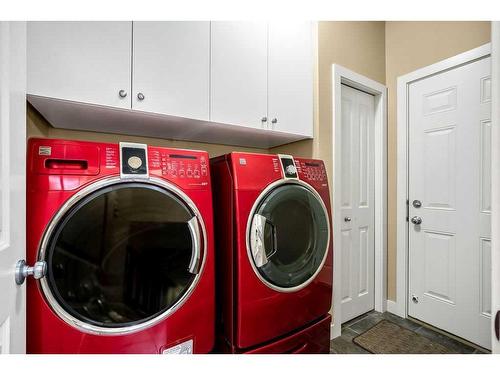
(12, 184)
(358, 203)
(450, 201)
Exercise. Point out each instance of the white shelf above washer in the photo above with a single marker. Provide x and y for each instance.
(68, 114)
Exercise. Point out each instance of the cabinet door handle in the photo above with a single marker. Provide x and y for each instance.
(264, 119)
(122, 93)
(140, 96)
(274, 120)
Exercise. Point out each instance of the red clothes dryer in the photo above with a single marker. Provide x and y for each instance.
(274, 253)
(123, 239)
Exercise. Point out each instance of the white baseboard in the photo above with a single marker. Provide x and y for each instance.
(392, 307)
(334, 331)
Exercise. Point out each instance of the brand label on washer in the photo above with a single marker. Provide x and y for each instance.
(185, 347)
(44, 150)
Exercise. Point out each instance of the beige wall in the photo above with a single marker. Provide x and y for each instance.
(359, 46)
(37, 126)
(410, 46)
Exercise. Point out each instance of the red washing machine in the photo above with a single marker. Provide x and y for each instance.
(274, 251)
(122, 237)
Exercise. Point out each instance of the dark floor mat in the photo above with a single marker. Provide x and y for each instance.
(389, 338)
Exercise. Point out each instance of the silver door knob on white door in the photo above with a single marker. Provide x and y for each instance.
(416, 220)
(38, 271)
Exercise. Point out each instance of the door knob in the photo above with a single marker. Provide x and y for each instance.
(347, 219)
(417, 220)
(38, 271)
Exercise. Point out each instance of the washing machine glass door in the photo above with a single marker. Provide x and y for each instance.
(122, 257)
(288, 236)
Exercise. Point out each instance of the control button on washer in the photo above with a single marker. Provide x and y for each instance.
(290, 169)
(134, 162)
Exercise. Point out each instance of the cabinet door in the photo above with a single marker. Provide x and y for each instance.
(80, 61)
(291, 77)
(239, 73)
(172, 68)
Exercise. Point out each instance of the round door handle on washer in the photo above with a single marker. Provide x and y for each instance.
(347, 219)
(417, 220)
(140, 96)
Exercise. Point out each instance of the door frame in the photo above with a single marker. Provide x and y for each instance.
(495, 180)
(400, 306)
(342, 75)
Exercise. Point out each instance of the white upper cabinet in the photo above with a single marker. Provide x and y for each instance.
(80, 61)
(290, 77)
(243, 83)
(239, 73)
(171, 69)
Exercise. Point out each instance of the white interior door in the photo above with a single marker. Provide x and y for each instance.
(358, 195)
(450, 174)
(12, 184)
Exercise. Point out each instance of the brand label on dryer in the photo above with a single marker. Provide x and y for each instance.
(44, 150)
(185, 347)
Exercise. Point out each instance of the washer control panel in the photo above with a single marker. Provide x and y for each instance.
(133, 160)
(312, 170)
(180, 165)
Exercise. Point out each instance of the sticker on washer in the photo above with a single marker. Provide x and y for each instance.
(44, 150)
(185, 347)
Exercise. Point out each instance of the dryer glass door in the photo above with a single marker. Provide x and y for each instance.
(289, 236)
(122, 256)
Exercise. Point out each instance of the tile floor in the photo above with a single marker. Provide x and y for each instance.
(355, 327)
